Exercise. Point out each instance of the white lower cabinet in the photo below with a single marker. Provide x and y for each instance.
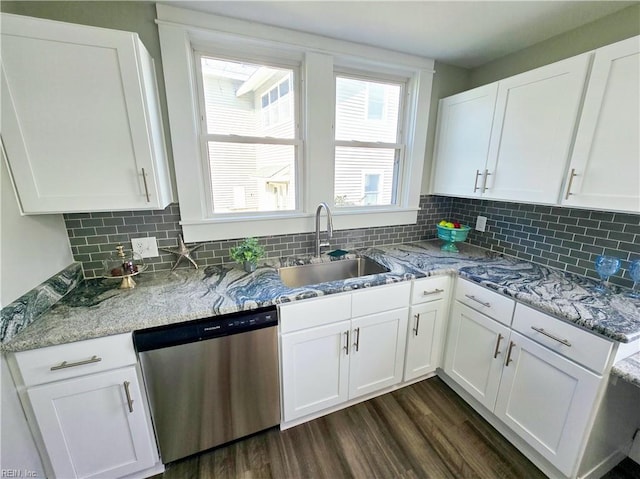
(94, 426)
(315, 369)
(326, 365)
(540, 376)
(475, 353)
(87, 408)
(547, 400)
(426, 326)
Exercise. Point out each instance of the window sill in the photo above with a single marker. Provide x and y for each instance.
(278, 224)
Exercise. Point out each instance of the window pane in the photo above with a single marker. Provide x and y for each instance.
(252, 177)
(364, 176)
(236, 96)
(366, 110)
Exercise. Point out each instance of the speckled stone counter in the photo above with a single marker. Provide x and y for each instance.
(628, 369)
(97, 308)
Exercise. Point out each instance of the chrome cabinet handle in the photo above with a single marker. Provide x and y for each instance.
(475, 185)
(128, 393)
(484, 182)
(146, 188)
(417, 318)
(497, 350)
(357, 343)
(549, 335)
(572, 175)
(65, 364)
(346, 344)
(435, 291)
(473, 298)
(509, 360)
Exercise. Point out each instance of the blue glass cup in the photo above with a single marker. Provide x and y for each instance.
(634, 272)
(606, 266)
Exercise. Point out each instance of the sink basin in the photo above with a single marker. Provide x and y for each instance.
(295, 276)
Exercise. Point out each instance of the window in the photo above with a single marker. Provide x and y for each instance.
(262, 130)
(367, 135)
(249, 135)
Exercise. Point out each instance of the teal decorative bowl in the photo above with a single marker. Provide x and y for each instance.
(451, 236)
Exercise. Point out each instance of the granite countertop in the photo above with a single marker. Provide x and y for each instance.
(98, 308)
(628, 369)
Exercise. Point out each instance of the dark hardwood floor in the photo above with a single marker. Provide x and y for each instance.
(421, 431)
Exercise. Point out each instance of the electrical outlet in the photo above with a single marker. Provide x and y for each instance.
(481, 223)
(145, 247)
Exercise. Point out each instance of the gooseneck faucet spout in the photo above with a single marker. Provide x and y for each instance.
(329, 227)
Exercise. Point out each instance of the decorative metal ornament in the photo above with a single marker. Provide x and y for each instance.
(182, 252)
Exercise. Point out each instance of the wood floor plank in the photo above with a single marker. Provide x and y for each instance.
(421, 431)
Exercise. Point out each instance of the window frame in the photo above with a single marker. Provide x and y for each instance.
(182, 31)
(205, 137)
(401, 139)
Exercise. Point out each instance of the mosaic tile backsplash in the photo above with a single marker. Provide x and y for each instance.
(565, 238)
(94, 235)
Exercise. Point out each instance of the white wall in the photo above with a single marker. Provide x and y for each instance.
(32, 249)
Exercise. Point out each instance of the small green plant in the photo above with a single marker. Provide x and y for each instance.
(247, 251)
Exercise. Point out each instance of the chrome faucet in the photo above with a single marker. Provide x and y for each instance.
(329, 227)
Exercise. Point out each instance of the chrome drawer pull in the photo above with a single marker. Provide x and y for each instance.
(549, 335)
(572, 175)
(146, 188)
(417, 318)
(129, 400)
(346, 346)
(475, 185)
(509, 360)
(484, 183)
(64, 364)
(357, 343)
(435, 291)
(497, 351)
(473, 298)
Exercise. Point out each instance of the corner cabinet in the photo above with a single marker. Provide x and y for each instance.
(510, 140)
(605, 166)
(81, 120)
(87, 410)
(341, 347)
(541, 377)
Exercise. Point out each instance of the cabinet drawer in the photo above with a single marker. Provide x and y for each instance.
(429, 289)
(487, 302)
(64, 361)
(380, 298)
(314, 312)
(576, 344)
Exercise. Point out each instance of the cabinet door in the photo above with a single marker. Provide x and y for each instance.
(315, 369)
(377, 351)
(425, 339)
(535, 118)
(463, 132)
(605, 167)
(547, 400)
(475, 351)
(76, 118)
(88, 427)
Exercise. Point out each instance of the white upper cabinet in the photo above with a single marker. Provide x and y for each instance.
(535, 118)
(605, 166)
(81, 120)
(462, 145)
(510, 140)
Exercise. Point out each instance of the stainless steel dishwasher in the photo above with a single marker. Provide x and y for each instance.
(211, 381)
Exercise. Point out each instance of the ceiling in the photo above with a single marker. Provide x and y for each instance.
(462, 33)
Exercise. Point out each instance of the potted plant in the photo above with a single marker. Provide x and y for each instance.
(248, 253)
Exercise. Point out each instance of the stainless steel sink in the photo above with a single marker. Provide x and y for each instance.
(295, 276)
